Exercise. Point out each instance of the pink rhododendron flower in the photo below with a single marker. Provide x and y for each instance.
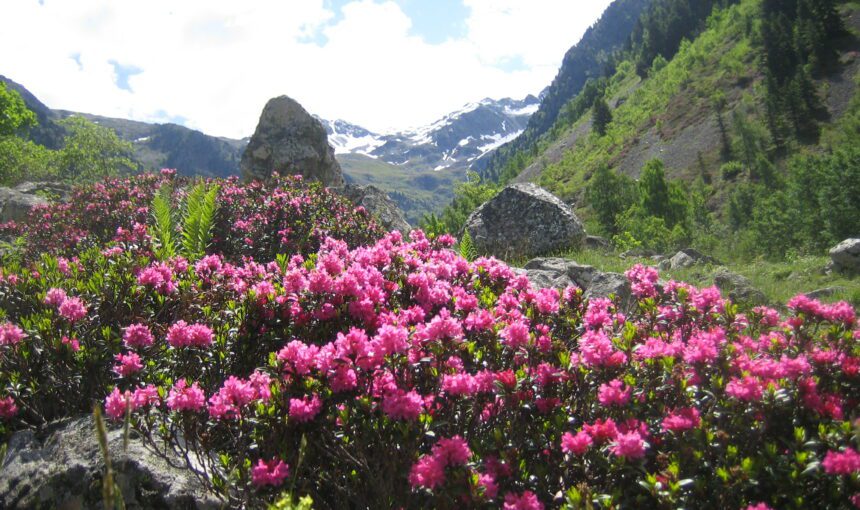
(547, 301)
(488, 482)
(629, 445)
(527, 500)
(597, 349)
(305, 409)
(137, 335)
(55, 297)
(10, 334)
(681, 420)
(400, 405)
(452, 451)
(73, 309)
(576, 444)
(748, 389)
(614, 394)
(601, 431)
(8, 409)
(129, 364)
(185, 398)
(73, 343)
(272, 472)
(117, 403)
(158, 276)
(298, 358)
(642, 280)
(145, 396)
(458, 384)
(427, 472)
(841, 463)
(759, 506)
(515, 335)
(182, 334)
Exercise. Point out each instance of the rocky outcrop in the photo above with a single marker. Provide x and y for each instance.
(846, 256)
(561, 273)
(16, 203)
(379, 204)
(290, 140)
(739, 288)
(65, 469)
(524, 220)
(689, 257)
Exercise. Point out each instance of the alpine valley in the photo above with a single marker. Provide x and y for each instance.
(418, 167)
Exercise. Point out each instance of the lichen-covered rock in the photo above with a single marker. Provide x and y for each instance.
(739, 288)
(846, 256)
(15, 204)
(689, 257)
(65, 469)
(290, 140)
(379, 204)
(606, 284)
(523, 221)
(578, 274)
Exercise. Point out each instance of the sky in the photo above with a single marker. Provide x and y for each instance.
(211, 65)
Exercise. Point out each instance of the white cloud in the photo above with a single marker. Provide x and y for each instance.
(216, 62)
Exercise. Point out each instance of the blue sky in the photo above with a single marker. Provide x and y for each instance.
(212, 64)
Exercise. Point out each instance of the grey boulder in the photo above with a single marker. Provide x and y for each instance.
(15, 205)
(523, 221)
(379, 204)
(288, 139)
(689, 257)
(739, 288)
(65, 470)
(846, 256)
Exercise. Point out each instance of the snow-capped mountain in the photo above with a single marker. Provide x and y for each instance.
(457, 141)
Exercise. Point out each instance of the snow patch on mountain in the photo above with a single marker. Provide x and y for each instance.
(459, 140)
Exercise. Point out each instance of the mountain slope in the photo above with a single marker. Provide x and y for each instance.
(587, 59)
(155, 145)
(460, 140)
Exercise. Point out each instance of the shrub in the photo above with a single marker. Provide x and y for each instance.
(257, 220)
(404, 375)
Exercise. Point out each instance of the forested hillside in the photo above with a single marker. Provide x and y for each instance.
(704, 128)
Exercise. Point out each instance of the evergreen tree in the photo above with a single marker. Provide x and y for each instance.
(601, 116)
(609, 194)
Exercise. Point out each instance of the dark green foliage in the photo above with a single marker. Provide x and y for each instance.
(660, 30)
(601, 116)
(468, 196)
(661, 198)
(14, 114)
(798, 39)
(609, 194)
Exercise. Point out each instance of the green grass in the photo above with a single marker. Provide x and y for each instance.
(780, 281)
(417, 192)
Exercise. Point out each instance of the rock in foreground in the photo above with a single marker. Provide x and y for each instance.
(65, 471)
(290, 140)
(523, 221)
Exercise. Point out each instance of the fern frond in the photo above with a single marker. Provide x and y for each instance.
(198, 220)
(467, 247)
(163, 228)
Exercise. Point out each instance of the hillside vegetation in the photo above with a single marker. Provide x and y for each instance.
(705, 146)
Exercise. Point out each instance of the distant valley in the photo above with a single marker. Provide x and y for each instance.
(418, 168)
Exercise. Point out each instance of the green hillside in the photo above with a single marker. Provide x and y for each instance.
(756, 111)
(416, 192)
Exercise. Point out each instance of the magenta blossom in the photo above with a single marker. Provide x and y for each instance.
(271, 472)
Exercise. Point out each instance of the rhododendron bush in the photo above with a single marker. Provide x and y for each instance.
(397, 374)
